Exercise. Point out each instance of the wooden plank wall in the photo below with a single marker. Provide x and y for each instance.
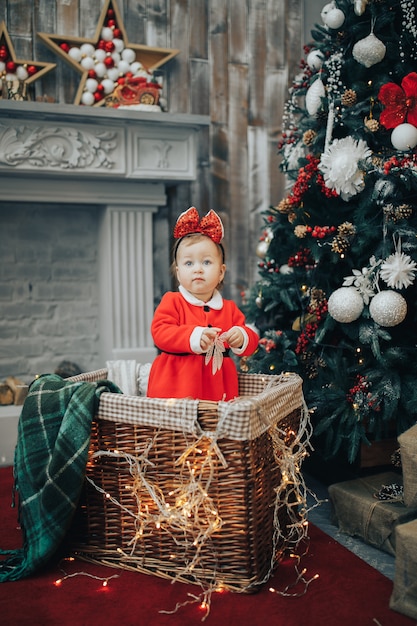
(236, 60)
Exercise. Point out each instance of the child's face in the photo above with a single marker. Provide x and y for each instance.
(199, 267)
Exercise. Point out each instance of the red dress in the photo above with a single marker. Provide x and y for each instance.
(180, 370)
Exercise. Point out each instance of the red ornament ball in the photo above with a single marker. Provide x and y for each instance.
(101, 44)
(109, 46)
(11, 67)
(92, 74)
(117, 33)
(98, 96)
(110, 13)
(4, 53)
(109, 62)
(31, 69)
(64, 46)
(111, 23)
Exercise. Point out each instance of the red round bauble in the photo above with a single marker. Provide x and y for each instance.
(110, 13)
(109, 62)
(64, 46)
(31, 69)
(98, 96)
(111, 23)
(121, 81)
(11, 67)
(129, 74)
(101, 44)
(92, 74)
(100, 88)
(109, 46)
(3, 53)
(117, 33)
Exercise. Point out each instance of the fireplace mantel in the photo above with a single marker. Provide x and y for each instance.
(120, 160)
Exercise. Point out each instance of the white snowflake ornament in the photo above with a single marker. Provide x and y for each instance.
(398, 270)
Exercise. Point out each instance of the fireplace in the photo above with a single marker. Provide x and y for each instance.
(120, 162)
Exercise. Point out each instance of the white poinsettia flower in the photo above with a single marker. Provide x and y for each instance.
(363, 281)
(398, 270)
(339, 165)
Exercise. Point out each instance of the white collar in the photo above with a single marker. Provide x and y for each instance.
(216, 301)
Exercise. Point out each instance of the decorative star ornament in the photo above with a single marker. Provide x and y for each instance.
(17, 74)
(108, 60)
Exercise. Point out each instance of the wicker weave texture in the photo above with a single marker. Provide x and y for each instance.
(119, 518)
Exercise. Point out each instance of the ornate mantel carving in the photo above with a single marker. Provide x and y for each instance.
(120, 160)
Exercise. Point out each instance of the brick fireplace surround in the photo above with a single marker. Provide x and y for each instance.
(118, 159)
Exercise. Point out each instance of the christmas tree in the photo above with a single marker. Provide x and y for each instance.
(336, 298)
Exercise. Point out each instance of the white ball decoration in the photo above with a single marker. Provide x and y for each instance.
(404, 137)
(10, 78)
(107, 33)
(87, 98)
(388, 308)
(286, 269)
(135, 67)
(2, 66)
(21, 72)
(75, 53)
(369, 51)
(315, 59)
(325, 10)
(100, 69)
(108, 85)
(128, 55)
(113, 73)
(100, 55)
(118, 44)
(123, 67)
(87, 49)
(87, 63)
(334, 18)
(91, 84)
(345, 305)
(116, 57)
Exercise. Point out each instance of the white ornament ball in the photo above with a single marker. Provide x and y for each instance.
(87, 49)
(118, 44)
(128, 55)
(286, 269)
(108, 85)
(75, 53)
(334, 19)
(325, 10)
(21, 72)
(2, 66)
(10, 78)
(100, 69)
(404, 137)
(123, 67)
(262, 249)
(388, 308)
(87, 98)
(100, 55)
(107, 33)
(113, 73)
(135, 67)
(116, 57)
(369, 51)
(345, 305)
(91, 84)
(315, 59)
(87, 63)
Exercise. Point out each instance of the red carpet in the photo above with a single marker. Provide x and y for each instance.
(348, 592)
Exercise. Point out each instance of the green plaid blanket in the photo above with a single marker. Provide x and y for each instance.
(49, 466)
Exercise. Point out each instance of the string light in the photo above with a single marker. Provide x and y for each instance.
(104, 580)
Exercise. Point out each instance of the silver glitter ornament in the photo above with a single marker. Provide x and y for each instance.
(388, 308)
(345, 305)
(369, 51)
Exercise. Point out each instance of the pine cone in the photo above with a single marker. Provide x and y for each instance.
(284, 206)
(371, 124)
(309, 137)
(340, 244)
(347, 229)
(403, 212)
(349, 98)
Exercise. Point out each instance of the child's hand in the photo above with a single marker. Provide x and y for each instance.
(234, 337)
(207, 337)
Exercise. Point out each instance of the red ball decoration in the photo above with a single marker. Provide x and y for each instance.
(100, 88)
(109, 46)
(11, 67)
(64, 46)
(3, 53)
(110, 13)
(111, 23)
(92, 74)
(101, 45)
(31, 69)
(109, 62)
(117, 33)
(98, 96)
(121, 81)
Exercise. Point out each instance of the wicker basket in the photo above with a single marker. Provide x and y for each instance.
(186, 489)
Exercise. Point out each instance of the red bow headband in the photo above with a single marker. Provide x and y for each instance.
(189, 222)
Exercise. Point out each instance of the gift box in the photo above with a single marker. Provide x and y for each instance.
(191, 490)
(408, 449)
(404, 595)
(358, 512)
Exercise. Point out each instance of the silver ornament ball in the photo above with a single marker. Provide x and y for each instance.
(388, 308)
(345, 305)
